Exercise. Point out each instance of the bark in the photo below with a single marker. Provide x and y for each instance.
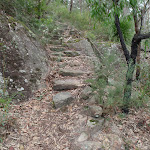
(137, 31)
(71, 5)
(129, 75)
(128, 86)
(138, 69)
(39, 9)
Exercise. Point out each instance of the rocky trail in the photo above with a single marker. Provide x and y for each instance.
(65, 115)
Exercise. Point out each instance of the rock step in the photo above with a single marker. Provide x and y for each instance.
(72, 73)
(58, 54)
(57, 49)
(62, 99)
(66, 84)
(71, 53)
(55, 42)
(56, 58)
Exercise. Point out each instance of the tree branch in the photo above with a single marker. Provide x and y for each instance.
(125, 50)
(142, 36)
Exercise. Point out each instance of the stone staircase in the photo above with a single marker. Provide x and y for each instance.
(69, 77)
(71, 66)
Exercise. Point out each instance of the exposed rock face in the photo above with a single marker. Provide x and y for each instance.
(23, 62)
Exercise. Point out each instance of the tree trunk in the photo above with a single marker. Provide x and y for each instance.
(71, 4)
(39, 9)
(137, 31)
(129, 75)
(128, 86)
(138, 69)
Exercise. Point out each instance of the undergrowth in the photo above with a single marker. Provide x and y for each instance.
(108, 83)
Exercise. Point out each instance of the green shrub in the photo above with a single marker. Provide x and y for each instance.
(109, 29)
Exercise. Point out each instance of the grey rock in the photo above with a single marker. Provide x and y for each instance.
(93, 100)
(95, 111)
(71, 53)
(110, 141)
(91, 145)
(82, 137)
(66, 84)
(88, 50)
(85, 94)
(22, 52)
(62, 99)
(93, 125)
(92, 122)
(72, 73)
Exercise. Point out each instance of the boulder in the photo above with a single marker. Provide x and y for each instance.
(22, 58)
(66, 84)
(62, 99)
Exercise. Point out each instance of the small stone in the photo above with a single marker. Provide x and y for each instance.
(20, 89)
(22, 71)
(61, 99)
(83, 137)
(11, 80)
(26, 81)
(67, 84)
